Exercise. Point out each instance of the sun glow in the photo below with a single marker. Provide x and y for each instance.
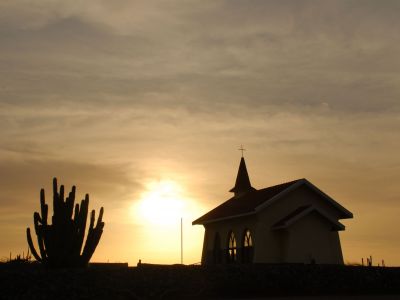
(157, 213)
(162, 203)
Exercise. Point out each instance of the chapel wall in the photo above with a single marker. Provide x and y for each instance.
(272, 246)
(311, 240)
(237, 226)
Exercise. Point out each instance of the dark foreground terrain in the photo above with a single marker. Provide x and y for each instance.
(31, 281)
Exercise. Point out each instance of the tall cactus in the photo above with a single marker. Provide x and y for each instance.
(60, 244)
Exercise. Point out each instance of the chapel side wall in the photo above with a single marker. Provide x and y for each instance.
(271, 244)
(205, 246)
(319, 247)
(336, 245)
(238, 226)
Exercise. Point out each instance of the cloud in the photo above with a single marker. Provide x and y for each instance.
(113, 94)
(23, 179)
(263, 53)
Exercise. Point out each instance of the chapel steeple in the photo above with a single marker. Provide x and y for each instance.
(242, 185)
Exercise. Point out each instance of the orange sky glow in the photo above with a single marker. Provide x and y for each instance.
(143, 105)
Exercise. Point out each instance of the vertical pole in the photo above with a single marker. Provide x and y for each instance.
(181, 243)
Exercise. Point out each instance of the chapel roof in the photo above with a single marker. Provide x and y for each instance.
(303, 211)
(248, 200)
(245, 204)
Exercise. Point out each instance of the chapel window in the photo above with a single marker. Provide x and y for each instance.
(247, 250)
(217, 249)
(232, 251)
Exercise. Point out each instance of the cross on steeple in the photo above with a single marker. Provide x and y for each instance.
(241, 149)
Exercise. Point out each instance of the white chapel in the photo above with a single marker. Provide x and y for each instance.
(292, 222)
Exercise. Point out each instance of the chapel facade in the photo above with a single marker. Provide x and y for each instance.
(293, 222)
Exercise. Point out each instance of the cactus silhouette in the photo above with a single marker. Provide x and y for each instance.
(60, 243)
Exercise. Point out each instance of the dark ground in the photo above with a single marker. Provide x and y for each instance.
(31, 281)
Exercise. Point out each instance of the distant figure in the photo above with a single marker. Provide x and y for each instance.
(139, 263)
(285, 223)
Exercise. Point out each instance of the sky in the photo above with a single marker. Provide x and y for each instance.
(143, 105)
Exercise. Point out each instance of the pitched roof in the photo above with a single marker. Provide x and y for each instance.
(255, 200)
(301, 212)
(245, 204)
(293, 215)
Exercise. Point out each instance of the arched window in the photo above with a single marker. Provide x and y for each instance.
(217, 259)
(247, 250)
(231, 248)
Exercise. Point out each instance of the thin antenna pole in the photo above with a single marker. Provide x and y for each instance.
(181, 242)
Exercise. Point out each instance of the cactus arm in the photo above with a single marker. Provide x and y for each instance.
(76, 214)
(93, 237)
(43, 252)
(79, 224)
(55, 201)
(55, 195)
(92, 242)
(61, 195)
(58, 204)
(30, 243)
(70, 203)
(61, 202)
(44, 207)
(39, 229)
(100, 219)
(82, 217)
(77, 243)
(92, 217)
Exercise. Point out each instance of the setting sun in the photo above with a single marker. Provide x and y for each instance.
(158, 211)
(162, 203)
